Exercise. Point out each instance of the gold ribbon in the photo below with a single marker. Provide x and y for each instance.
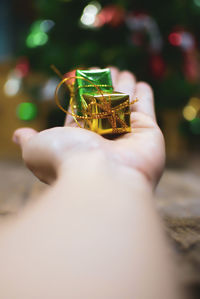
(108, 112)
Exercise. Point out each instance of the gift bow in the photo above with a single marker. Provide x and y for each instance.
(109, 112)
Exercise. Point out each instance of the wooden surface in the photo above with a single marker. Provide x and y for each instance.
(177, 199)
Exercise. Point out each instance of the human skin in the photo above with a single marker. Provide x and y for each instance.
(95, 234)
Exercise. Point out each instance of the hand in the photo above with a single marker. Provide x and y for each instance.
(142, 150)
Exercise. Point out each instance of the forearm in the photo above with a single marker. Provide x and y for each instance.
(95, 234)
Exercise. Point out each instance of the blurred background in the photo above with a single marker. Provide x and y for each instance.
(158, 41)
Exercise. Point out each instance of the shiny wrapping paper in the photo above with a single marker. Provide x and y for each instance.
(100, 78)
(117, 113)
(94, 105)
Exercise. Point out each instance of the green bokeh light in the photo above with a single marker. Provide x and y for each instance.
(36, 26)
(197, 3)
(36, 39)
(195, 126)
(26, 111)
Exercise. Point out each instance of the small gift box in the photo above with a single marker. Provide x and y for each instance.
(89, 82)
(94, 104)
(107, 114)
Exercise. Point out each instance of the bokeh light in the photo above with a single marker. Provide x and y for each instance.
(187, 41)
(175, 39)
(189, 113)
(37, 39)
(26, 111)
(89, 14)
(48, 90)
(22, 67)
(47, 25)
(195, 102)
(12, 86)
(197, 3)
(38, 33)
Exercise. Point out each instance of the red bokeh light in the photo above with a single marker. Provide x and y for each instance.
(23, 66)
(175, 39)
(111, 14)
(157, 66)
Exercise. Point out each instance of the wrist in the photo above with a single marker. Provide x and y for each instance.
(90, 166)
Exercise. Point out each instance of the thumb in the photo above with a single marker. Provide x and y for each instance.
(22, 135)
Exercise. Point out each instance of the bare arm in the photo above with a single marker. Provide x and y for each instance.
(95, 234)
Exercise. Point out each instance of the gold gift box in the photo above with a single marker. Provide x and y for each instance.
(113, 110)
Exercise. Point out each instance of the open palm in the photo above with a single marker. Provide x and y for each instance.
(143, 149)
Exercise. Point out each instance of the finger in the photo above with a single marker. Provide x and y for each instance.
(126, 84)
(115, 75)
(22, 135)
(144, 93)
(69, 120)
(70, 74)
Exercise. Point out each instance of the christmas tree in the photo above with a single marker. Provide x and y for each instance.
(156, 40)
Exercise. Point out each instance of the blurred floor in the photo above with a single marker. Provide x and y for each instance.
(178, 193)
(17, 185)
(177, 199)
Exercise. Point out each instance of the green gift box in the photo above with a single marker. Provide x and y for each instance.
(86, 84)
